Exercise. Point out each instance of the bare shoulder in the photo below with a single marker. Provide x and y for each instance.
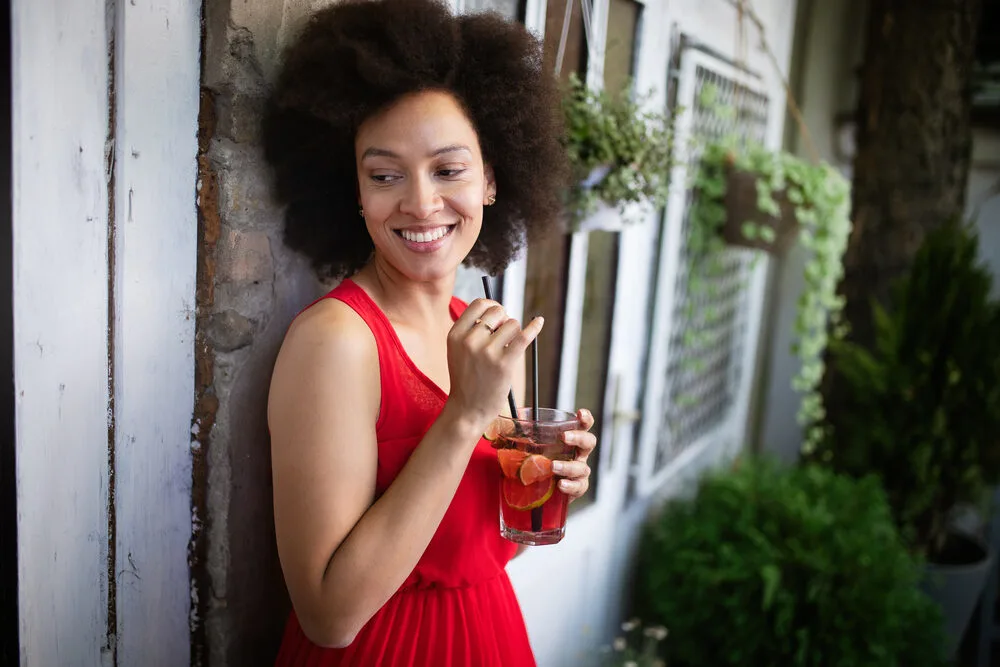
(332, 325)
(327, 349)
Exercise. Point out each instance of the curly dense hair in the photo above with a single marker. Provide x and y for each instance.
(357, 57)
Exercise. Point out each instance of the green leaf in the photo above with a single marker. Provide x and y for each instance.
(750, 230)
(772, 579)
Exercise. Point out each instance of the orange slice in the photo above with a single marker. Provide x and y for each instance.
(510, 461)
(495, 430)
(535, 468)
(521, 497)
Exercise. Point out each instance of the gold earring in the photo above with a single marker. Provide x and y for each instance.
(492, 199)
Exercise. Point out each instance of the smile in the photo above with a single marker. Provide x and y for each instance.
(426, 236)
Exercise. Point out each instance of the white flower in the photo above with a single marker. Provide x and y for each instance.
(631, 663)
(657, 632)
(619, 644)
(630, 625)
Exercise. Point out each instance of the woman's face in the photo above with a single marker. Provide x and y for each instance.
(422, 184)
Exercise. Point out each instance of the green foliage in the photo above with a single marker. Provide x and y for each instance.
(613, 133)
(798, 567)
(821, 199)
(921, 407)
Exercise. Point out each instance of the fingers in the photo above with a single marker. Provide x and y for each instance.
(491, 320)
(586, 419)
(515, 339)
(584, 441)
(575, 470)
(576, 477)
(475, 311)
(574, 488)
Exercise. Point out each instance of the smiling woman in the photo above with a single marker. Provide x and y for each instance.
(422, 201)
(443, 133)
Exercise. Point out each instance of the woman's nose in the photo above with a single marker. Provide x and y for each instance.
(421, 199)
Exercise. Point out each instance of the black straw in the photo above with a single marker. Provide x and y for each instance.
(536, 514)
(510, 394)
(534, 379)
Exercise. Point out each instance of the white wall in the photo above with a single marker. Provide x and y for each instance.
(833, 50)
(60, 234)
(104, 133)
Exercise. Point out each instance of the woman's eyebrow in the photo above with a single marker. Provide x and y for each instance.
(382, 152)
(450, 149)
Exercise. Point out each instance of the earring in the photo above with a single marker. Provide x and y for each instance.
(492, 199)
(361, 212)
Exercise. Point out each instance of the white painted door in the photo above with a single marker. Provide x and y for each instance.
(105, 108)
(567, 592)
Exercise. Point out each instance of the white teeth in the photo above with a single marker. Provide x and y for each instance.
(424, 237)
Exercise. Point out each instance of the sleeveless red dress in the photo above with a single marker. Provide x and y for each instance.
(457, 608)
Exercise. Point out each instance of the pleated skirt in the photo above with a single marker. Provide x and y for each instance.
(480, 625)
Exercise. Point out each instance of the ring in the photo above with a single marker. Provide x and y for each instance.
(488, 327)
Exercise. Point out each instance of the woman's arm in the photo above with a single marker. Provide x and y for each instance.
(344, 553)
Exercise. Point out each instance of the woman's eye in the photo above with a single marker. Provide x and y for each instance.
(384, 178)
(450, 173)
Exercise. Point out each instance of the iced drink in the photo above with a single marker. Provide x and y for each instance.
(532, 508)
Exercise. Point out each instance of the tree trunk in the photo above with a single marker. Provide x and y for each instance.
(914, 141)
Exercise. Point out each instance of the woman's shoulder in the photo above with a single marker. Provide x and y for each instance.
(329, 356)
(333, 326)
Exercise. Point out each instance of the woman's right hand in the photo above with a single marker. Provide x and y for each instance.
(484, 349)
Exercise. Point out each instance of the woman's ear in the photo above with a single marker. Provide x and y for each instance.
(490, 193)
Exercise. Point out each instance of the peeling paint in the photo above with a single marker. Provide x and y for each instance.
(206, 403)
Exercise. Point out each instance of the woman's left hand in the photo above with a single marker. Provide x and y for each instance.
(576, 473)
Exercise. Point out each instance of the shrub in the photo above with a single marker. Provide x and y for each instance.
(920, 407)
(792, 567)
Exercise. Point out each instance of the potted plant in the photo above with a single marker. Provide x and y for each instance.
(797, 567)
(752, 197)
(620, 154)
(920, 408)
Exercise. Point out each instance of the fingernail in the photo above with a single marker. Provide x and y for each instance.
(565, 485)
(569, 437)
(558, 466)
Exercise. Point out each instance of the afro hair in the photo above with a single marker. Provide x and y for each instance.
(358, 57)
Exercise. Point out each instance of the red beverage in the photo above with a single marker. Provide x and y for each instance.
(532, 508)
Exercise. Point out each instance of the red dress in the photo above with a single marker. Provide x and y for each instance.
(457, 608)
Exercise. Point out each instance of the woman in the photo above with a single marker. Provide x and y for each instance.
(405, 141)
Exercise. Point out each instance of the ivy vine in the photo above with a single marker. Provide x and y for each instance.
(820, 196)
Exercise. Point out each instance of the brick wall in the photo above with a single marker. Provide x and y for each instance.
(249, 288)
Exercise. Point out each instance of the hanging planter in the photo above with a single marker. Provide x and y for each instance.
(751, 197)
(620, 155)
(743, 213)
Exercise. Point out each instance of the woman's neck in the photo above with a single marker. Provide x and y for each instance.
(415, 303)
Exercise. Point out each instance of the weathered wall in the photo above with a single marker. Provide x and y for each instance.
(250, 287)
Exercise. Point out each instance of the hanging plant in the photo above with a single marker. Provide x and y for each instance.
(619, 153)
(792, 198)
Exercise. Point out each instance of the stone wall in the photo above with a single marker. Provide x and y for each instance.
(249, 288)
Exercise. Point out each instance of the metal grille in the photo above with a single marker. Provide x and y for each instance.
(707, 332)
